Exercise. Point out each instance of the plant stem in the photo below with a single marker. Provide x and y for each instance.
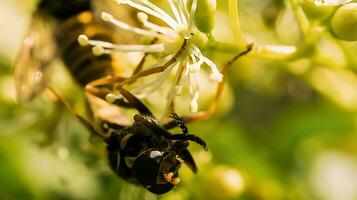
(274, 52)
(235, 23)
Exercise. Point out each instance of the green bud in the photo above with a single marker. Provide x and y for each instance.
(344, 22)
(205, 15)
(316, 11)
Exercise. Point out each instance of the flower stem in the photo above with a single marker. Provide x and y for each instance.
(235, 23)
(274, 52)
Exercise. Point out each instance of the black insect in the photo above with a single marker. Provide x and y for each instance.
(146, 153)
(143, 153)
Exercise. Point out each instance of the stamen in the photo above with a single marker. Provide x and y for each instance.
(101, 47)
(196, 65)
(188, 64)
(109, 18)
(171, 95)
(83, 40)
(110, 47)
(192, 14)
(168, 34)
(153, 48)
(216, 77)
(100, 43)
(172, 92)
(194, 103)
(183, 12)
(192, 83)
(194, 91)
(175, 11)
(215, 74)
(110, 98)
(98, 50)
(158, 10)
(167, 19)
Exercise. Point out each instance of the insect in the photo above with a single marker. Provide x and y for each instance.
(144, 152)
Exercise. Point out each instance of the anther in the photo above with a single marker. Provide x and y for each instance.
(98, 50)
(110, 98)
(106, 17)
(217, 77)
(142, 17)
(83, 40)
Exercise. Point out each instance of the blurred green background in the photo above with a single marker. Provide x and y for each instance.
(287, 129)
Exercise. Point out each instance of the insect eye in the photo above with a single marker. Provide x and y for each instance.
(146, 167)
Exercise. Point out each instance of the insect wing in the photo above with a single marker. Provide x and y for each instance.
(36, 54)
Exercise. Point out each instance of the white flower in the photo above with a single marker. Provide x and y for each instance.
(179, 28)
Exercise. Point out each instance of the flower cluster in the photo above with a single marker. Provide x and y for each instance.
(180, 28)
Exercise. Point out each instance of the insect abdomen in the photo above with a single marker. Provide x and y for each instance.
(63, 9)
(73, 18)
(84, 66)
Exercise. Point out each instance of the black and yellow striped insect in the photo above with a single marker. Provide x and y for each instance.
(143, 153)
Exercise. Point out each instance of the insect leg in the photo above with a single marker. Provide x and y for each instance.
(154, 70)
(207, 114)
(85, 122)
(97, 87)
(52, 125)
(103, 86)
(190, 137)
(183, 151)
(135, 102)
(93, 87)
(109, 127)
(139, 67)
(180, 123)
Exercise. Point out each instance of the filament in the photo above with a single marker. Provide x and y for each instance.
(166, 18)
